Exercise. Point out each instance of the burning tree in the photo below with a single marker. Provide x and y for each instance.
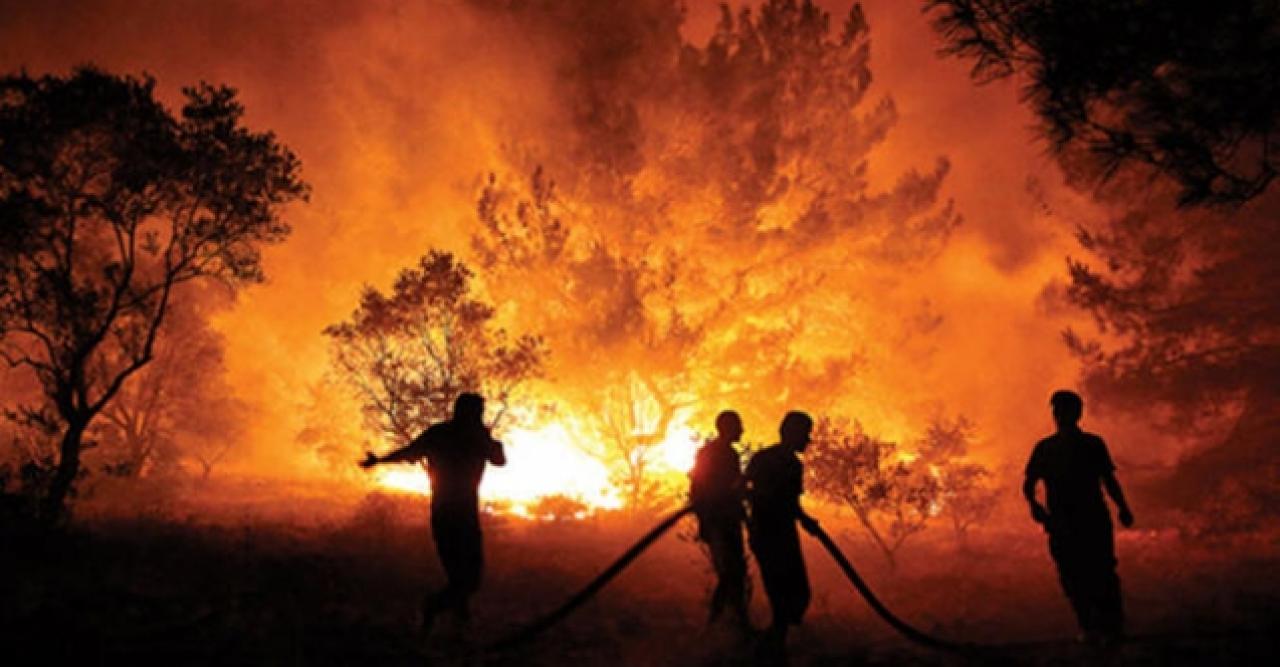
(965, 493)
(634, 421)
(893, 495)
(967, 496)
(410, 353)
(618, 314)
(110, 203)
(705, 193)
(1182, 281)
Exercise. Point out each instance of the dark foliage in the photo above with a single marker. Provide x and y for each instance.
(408, 354)
(1174, 107)
(108, 202)
(1188, 89)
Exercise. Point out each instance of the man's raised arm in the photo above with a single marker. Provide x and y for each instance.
(414, 451)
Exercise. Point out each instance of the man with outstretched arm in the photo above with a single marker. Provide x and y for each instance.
(716, 491)
(456, 452)
(1075, 467)
(775, 480)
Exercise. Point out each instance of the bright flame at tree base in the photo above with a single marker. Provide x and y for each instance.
(547, 463)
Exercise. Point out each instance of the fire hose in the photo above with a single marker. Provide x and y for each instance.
(556, 615)
(903, 628)
(546, 621)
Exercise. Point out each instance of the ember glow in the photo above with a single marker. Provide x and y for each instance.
(541, 462)
(553, 460)
(885, 241)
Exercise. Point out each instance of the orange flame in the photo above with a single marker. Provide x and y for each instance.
(552, 460)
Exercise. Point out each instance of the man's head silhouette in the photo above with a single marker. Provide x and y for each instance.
(469, 408)
(1067, 408)
(729, 426)
(795, 430)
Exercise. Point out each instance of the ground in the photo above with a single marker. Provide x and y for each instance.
(313, 580)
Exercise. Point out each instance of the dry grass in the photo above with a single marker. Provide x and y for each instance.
(293, 577)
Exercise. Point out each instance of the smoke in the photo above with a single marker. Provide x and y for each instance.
(399, 111)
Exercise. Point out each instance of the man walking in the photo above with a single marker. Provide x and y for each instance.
(1075, 467)
(716, 492)
(456, 452)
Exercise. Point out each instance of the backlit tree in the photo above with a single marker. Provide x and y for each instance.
(689, 219)
(1174, 111)
(408, 354)
(893, 496)
(109, 202)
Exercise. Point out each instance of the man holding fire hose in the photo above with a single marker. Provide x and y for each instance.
(716, 490)
(775, 481)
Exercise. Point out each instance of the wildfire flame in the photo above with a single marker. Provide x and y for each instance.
(552, 459)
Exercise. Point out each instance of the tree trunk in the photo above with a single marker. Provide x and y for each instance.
(65, 476)
(961, 534)
(635, 487)
(875, 537)
(139, 453)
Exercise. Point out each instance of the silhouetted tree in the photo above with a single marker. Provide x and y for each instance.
(1189, 306)
(966, 496)
(410, 353)
(213, 425)
(331, 427)
(893, 496)
(179, 408)
(33, 439)
(1190, 90)
(1182, 281)
(109, 202)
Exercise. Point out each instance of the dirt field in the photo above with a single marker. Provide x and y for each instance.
(325, 581)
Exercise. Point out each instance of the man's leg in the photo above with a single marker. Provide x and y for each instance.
(1107, 601)
(735, 577)
(1064, 549)
(458, 545)
(725, 545)
(468, 571)
(439, 600)
(773, 644)
(795, 578)
(714, 549)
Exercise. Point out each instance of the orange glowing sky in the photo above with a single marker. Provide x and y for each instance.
(397, 110)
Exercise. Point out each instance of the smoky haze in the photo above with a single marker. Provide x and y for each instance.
(400, 111)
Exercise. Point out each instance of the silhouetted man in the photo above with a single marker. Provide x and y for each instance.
(774, 484)
(456, 452)
(1075, 466)
(716, 491)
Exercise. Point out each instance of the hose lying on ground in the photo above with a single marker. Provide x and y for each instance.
(546, 621)
(898, 624)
